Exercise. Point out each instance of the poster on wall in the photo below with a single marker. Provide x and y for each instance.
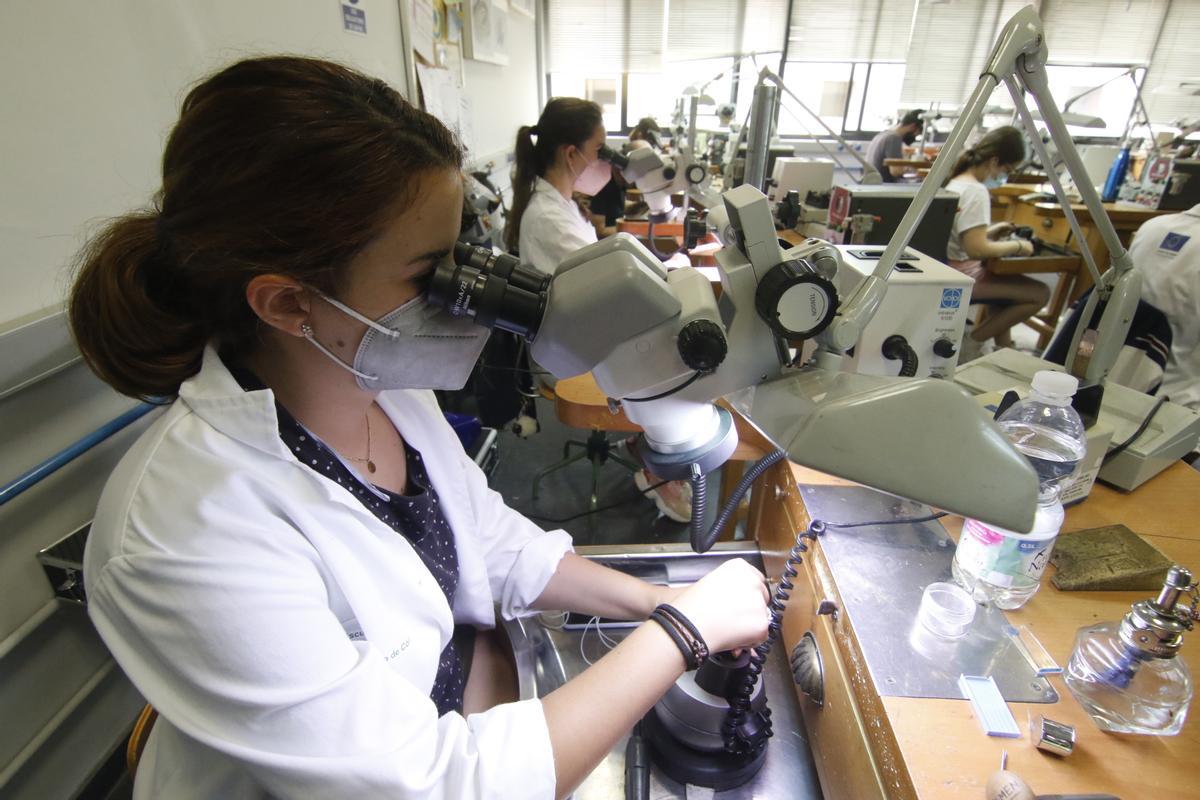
(454, 20)
(486, 34)
(423, 29)
(444, 98)
(448, 55)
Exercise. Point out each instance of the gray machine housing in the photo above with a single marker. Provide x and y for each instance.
(888, 203)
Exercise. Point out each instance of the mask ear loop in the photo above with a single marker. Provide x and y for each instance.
(370, 323)
(307, 331)
(575, 175)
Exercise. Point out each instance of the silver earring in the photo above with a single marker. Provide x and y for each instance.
(306, 330)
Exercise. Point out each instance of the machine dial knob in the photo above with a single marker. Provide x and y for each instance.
(702, 345)
(795, 300)
(944, 348)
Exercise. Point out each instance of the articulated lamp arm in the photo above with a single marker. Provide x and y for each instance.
(1019, 60)
(868, 168)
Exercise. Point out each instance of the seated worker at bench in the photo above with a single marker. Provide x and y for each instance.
(974, 240)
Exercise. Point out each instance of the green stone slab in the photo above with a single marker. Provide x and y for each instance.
(1110, 558)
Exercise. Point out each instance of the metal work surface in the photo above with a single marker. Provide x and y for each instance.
(547, 658)
(881, 572)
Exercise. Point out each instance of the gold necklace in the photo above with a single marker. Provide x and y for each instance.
(370, 464)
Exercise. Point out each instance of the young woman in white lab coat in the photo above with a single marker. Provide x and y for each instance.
(280, 560)
(974, 239)
(556, 159)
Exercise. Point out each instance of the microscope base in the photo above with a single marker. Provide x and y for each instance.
(686, 765)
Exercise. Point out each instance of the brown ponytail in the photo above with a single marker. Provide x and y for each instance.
(1006, 144)
(564, 121)
(130, 325)
(278, 165)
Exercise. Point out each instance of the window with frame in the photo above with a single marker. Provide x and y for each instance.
(860, 64)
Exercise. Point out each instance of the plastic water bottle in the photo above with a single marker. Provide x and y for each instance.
(1005, 567)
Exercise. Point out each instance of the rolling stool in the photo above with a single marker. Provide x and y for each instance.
(579, 403)
(597, 449)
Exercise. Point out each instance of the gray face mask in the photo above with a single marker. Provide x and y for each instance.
(416, 346)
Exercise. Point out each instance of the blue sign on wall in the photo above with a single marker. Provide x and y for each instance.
(354, 19)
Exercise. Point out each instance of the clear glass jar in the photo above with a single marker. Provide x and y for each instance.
(1123, 689)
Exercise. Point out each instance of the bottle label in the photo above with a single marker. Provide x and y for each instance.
(1000, 558)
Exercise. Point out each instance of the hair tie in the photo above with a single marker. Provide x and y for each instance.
(533, 131)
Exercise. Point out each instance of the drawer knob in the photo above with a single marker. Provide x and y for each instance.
(807, 670)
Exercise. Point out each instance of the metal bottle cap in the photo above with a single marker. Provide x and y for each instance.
(1156, 627)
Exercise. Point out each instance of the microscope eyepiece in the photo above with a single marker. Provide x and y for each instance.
(494, 289)
(613, 157)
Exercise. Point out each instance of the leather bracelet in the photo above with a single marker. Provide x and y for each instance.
(690, 632)
(667, 624)
(684, 621)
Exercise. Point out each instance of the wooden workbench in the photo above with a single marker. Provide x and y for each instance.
(868, 746)
(1049, 223)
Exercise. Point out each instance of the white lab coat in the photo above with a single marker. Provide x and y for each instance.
(1166, 251)
(552, 228)
(288, 638)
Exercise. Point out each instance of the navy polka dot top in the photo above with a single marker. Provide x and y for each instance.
(415, 515)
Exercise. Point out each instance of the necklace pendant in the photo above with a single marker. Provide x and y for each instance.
(370, 466)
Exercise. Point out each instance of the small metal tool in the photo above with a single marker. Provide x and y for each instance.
(1052, 737)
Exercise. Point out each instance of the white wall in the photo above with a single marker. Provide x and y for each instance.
(503, 98)
(90, 89)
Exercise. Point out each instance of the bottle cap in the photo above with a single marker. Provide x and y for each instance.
(1055, 383)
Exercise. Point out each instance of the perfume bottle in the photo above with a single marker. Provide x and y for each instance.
(1126, 675)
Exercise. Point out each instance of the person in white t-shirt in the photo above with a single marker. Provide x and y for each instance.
(974, 239)
(556, 158)
(1166, 251)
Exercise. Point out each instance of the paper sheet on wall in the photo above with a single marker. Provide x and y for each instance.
(445, 99)
(422, 23)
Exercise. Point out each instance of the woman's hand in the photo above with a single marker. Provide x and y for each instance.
(728, 606)
(1001, 230)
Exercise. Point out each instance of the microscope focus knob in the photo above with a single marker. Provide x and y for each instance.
(695, 174)
(796, 300)
(944, 348)
(702, 345)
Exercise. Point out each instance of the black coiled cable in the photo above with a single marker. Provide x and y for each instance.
(702, 539)
(739, 740)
